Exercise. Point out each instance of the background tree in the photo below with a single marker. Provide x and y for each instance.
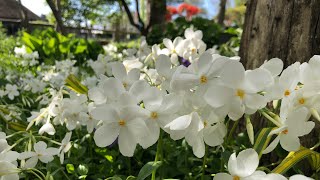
(156, 11)
(222, 12)
(55, 6)
(289, 30)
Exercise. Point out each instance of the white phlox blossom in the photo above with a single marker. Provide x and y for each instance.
(65, 146)
(12, 91)
(293, 127)
(238, 91)
(41, 152)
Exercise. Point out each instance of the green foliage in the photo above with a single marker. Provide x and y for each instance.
(53, 46)
(127, 45)
(147, 169)
(211, 30)
(7, 45)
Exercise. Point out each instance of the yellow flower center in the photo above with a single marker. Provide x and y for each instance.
(154, 115)
(240, 93)
(236, 178)
(285, 131)
(125, 85)
(193, 50)
(203, 79)
(173, 51)
(122, 122)
(302, 100)
(287, 93)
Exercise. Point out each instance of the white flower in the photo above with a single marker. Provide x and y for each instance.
(156, 51)
(132, 63)
(285, 85)
(173, 48)
(65, 146)
(47, 128)
(123, 123)
(241, 167)
(159, 111)
(8, 171)
(127, 79)
(201, 73)
(299, 177)
(163, 67)
(41, 153)
(238, 90)
(295, 126)
(11, 91)
(189, 33)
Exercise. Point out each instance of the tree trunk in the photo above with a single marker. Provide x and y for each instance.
(56, 10)
(287, 29)
(157, 12)
(222, 12)
(156, 9)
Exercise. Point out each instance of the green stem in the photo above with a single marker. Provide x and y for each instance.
(13, 134)
(32, 172)
(234, 126)
(204, 161)
(159, 149)
(277, 123)
(46, 138)
(38, 171)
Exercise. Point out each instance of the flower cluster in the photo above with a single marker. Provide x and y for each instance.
(184, 90)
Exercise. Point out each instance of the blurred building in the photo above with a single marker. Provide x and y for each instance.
(13, 15)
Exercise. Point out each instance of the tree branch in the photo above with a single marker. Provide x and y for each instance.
(138, 14)
(126, 8)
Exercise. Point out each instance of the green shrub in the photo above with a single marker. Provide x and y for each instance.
(52, 46)
(211, 30)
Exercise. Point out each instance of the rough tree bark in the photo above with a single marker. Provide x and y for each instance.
(56, 10)
(287, 29)
(222, 12)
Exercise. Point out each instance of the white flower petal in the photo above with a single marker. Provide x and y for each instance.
(247, 163)
(222, 176)
(32, 162)
(106, 135)
(180, 123)
(289, 142)
(40, 146)
(274, 66)
(217, 96)
(119, 71)
(232, 75)
(127, 143)
(272, 145)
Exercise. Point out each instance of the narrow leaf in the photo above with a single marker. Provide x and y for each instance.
(147, 169)
(292, 159)
(262, 140)
(74, 84)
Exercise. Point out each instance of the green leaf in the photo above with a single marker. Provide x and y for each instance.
(147, 169)
(80, 49)
(292, 159)
(314, 160)
(74, 84)
(17, 126)
(262, 140)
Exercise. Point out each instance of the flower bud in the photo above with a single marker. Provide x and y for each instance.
(250, 130)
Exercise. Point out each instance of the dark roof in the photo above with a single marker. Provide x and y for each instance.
(10, 10)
